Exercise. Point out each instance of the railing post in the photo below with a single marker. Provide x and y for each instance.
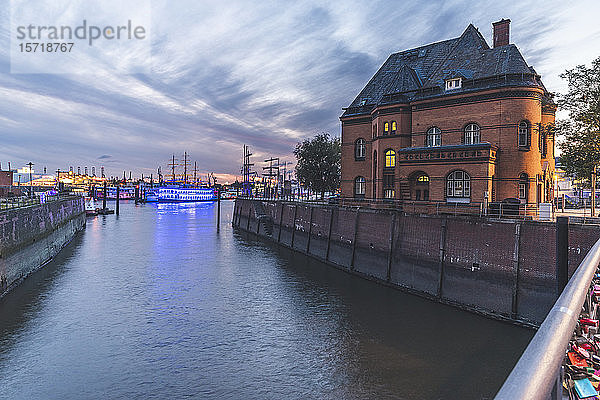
(562, 253)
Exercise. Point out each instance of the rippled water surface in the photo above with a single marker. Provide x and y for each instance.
(155, 304)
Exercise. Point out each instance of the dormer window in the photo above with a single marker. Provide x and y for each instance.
(454, 83)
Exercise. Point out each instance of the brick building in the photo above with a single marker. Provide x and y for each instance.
(454, 121)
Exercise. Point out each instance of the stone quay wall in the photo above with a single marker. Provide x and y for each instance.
(32, 236)
(504, 269)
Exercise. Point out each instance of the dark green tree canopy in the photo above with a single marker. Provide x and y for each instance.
(580, 134)
(319, 161)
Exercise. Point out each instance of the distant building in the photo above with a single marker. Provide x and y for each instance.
(454, 121)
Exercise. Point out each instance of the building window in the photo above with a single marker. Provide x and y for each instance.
(454, 83)
(386, 128)
(360, 149)
(523, 187)
(394, 127)
(374, 131)
(359, 186)
(524, 137)
(390, 158)
(458, 185)
(472, 134)
(433, 137)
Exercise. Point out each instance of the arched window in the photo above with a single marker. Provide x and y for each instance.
(386, 128)
(458, 185)
(390, 158)
(360, 149)
(394, 127)
(524, 138)
(359, 186)
(523, 187)
(434, 137)
(472, 134)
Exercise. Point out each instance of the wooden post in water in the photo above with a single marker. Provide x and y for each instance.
(118, 196)
(104, 197)
(137, 193)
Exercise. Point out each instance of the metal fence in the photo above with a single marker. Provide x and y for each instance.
(525, 211)
(537, 374)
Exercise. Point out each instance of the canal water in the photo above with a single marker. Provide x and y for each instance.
(155, 304)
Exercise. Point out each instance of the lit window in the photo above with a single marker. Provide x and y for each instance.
(389, 193)
(454, 83)
(390, 158)
(523, 134)
(386, 128)
(458, 184)
(359, 186)
(423, 179)
(472, 135)
(359, 149)
(394, 127)
(434, 137)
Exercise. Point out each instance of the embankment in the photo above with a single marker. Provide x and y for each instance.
(501, 268)
(32, 236)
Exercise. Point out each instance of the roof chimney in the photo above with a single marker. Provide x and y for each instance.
(501, 35)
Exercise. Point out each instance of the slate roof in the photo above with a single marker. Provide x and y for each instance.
(420, 73)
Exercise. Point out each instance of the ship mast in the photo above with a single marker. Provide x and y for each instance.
(195, 170)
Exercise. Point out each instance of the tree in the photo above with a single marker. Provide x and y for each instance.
(580, 134)
(318, 166)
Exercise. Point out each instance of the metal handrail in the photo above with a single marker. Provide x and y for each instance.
(535, 374)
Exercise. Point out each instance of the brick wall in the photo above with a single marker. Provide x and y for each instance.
(505, 269)
(30, 236)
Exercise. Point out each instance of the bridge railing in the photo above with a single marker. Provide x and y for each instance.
(537, 374)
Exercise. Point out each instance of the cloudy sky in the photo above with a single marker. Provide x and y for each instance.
(265, 74)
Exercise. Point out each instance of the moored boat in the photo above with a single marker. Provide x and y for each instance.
(176, 194)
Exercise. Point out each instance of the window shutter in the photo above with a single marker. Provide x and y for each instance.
(528, 139)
